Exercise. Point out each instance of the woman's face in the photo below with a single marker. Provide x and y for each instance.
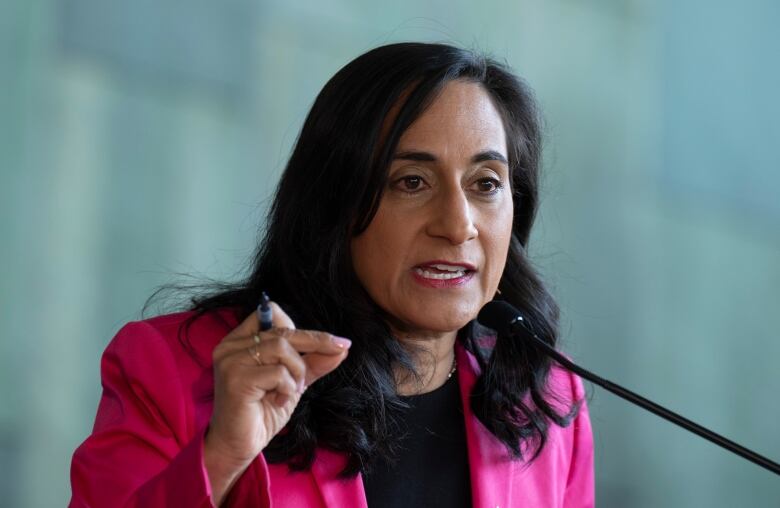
(435, 251)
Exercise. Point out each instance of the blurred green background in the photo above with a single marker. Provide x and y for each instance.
(140, 139)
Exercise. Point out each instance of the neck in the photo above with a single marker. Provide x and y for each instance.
(433, 356)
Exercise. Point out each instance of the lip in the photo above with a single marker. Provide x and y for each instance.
(462, 264)
(444, 283)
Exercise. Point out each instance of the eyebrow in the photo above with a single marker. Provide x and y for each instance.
(486, 155)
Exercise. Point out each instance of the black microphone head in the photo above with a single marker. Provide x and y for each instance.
(500, 316)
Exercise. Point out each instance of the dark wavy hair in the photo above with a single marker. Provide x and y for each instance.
(329, 193)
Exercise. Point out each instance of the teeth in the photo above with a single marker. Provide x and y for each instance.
(440, 276)
(448, 268)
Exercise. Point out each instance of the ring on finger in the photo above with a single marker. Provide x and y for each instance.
(254, 353)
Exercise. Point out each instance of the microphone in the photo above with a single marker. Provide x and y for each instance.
(508, 321)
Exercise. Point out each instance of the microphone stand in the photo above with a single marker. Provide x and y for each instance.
(658, 410)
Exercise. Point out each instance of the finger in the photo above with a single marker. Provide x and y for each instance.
(284, 382)
(303, 341)
(286, 388)
(283, 346)
(311, 341)
(280, 399)
(253, 382)
(276, 350)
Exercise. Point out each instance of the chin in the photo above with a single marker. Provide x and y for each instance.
(445, 321)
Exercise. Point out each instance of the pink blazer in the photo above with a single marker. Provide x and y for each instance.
(146, 446)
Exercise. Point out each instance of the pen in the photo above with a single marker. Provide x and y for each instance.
(265, 313)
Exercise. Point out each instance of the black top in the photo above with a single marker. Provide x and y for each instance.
(433, 466)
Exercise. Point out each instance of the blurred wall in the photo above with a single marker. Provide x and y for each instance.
(140, 139)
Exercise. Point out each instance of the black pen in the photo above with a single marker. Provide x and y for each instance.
(265, 313)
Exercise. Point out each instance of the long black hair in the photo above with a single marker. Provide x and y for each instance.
(329, 192)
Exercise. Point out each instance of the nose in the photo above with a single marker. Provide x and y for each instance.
(451, 217)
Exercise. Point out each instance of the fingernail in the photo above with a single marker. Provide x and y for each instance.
(300, 386)
(341, 341)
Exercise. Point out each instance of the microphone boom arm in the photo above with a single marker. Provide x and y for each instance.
(658, 410)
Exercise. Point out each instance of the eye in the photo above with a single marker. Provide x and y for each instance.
(409, 183)
(489, 185)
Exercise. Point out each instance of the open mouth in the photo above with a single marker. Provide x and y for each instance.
(440, 271)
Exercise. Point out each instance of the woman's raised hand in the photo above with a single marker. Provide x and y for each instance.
(259, 378)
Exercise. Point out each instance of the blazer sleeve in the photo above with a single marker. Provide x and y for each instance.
(144, 450)
(580, 485)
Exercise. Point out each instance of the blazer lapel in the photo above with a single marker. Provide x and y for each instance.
(337, 492)
(490, 466)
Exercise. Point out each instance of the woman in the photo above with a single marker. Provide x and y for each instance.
(405, 207)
